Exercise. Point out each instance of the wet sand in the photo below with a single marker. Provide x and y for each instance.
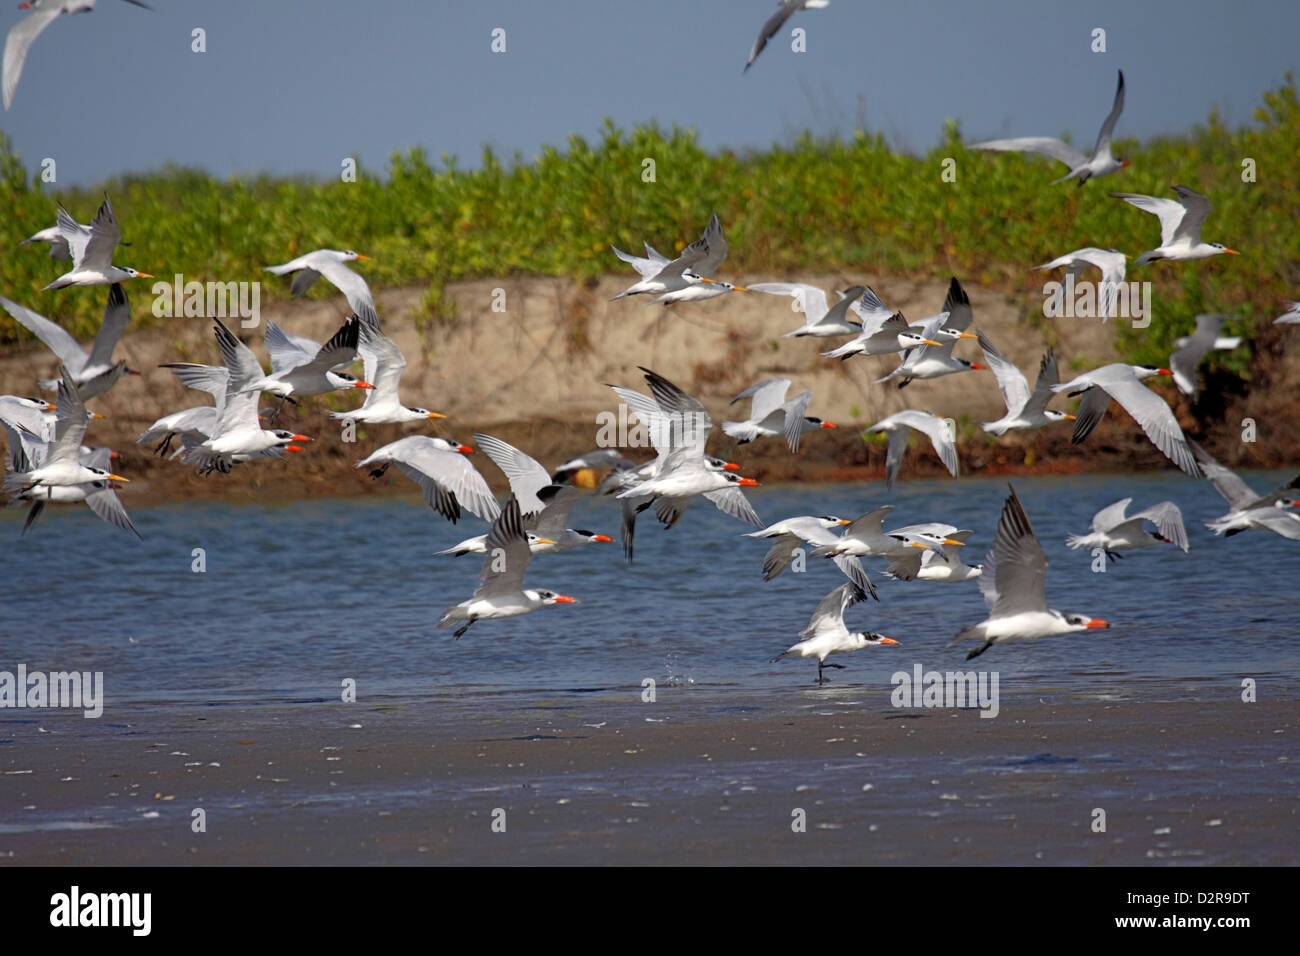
(704, 775)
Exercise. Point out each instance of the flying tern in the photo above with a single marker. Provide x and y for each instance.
(92, 250)
(1249, 510)
(1014, 585)
(94, 371)
(383, 364)
(944, 564)
(1190, 349)
(1113, 265)
(100, 496)
(1081, 166)
(792, 534)
(785, 9)
(827, 634)
(62, 465)
(1180, 226)
(1113, 530)
(441, 470)
(659, 276)
(932, 361)
(238, 434)
(771, 414)
(820, 319)
(938, 430)
(1025, 409)
(1123, 383)
(306, 269)
(501, 592)
(25, 32)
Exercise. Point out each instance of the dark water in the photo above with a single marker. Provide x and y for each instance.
(296, 598)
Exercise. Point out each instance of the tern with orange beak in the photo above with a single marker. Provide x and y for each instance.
(1025, 409)
(238, 431)
(1123, 383)
(501, 592)
(1014, 585)
(771, 414)
(1180, 226)
(827, 634)
(306, 269)
(383, 364)
(441, 470)
(92, 250)
(62, 464)
(297, 371)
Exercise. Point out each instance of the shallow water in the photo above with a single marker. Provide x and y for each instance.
(298, 597)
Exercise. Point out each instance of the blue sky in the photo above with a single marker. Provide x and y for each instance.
(292, 86)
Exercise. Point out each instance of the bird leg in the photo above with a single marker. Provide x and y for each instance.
(165, 445)
(462, 629)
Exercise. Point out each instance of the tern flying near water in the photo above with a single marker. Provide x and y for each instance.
(306, 269)
(827, 634)
(1249, 510)
(1123, 383)
(297, 370)
(99, 496)
(441, 470)
(238, 434)
(1113, 530)
(1014, 585)
(1081, 167)
(25, 32)
(1025, 409)
(92, 250)
(771, 414)
(785, 9)
(942, 565)
(383, 364)
(1180, 226)
(95, 372)
(679, 427)
(1190, 349)
(62, 465)
(501, 591)
(900, 424)
(792, 533)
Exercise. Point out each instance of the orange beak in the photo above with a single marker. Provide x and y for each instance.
(829, 425)
(747, 482)
(978, 367)
(602, 537)
(436, 415)
(465, 450)
(144, 275)
(1097, 624)
(1232, 252)
(565, 599)
(1163, 371)
(932, 342)
(360, 256)
(360, 384)
(888, 640)
(293, 448)
(1070, 418)
(730, 466)
(300, 438)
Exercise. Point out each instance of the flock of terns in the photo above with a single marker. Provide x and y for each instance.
(48, 463)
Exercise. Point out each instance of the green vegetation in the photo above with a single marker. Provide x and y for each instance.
(850, 206)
